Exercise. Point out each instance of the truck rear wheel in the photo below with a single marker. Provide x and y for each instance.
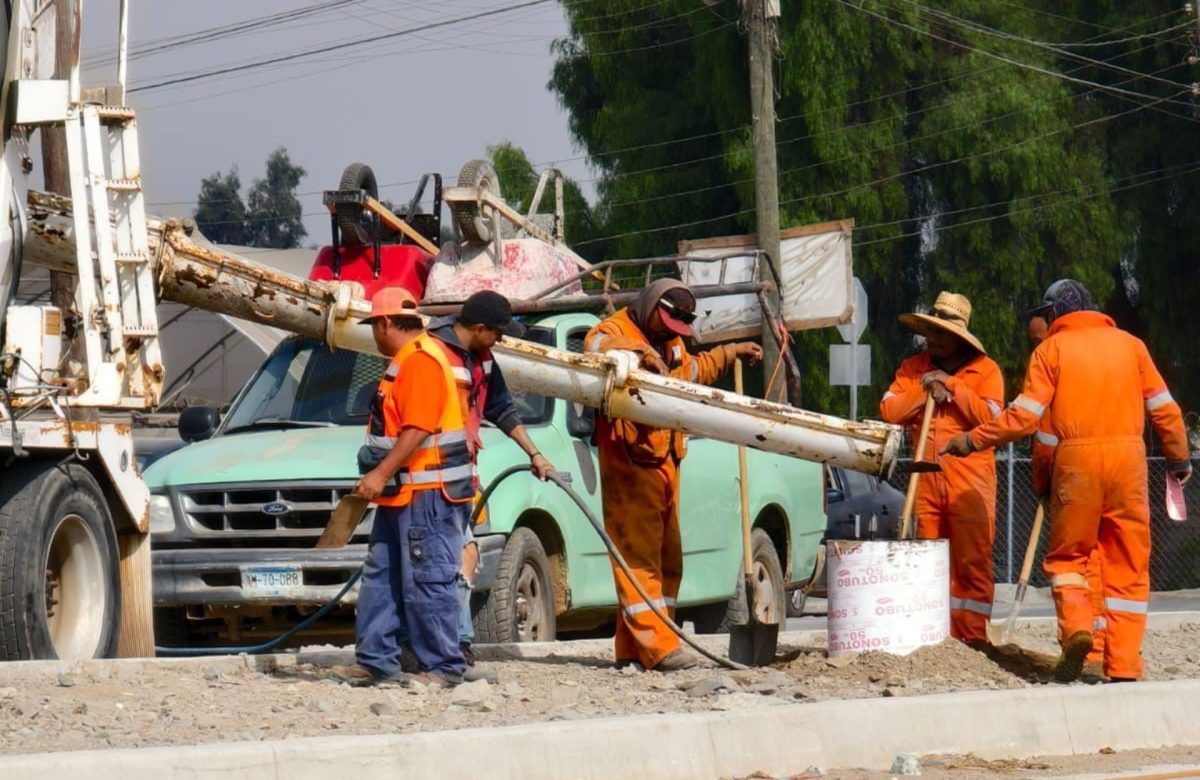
(520, 605)
(769, 594)
(59, 565)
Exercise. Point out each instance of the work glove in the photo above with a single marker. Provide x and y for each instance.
(1183, 475)
(959, 446)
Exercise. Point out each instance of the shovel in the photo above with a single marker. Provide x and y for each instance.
(753, 643)
(345, 518)
(1023, 581)
(919, 466)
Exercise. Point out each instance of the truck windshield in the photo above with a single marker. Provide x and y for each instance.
(304, 383)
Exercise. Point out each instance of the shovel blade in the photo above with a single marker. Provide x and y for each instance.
(345, 518)
(751, 642)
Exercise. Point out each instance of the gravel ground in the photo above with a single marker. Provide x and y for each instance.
(139, 706)
(1159, 764)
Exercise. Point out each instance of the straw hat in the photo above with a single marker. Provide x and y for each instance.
(951, 313)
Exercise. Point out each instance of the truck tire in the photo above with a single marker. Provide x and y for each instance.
(59, 567)
(351, 218)
(473, 225)
(716, 618)
(520, 605)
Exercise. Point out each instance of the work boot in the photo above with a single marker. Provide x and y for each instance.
(429, 680)
(677, 660)
(472, 674)
(355, 675)
(1074, 653)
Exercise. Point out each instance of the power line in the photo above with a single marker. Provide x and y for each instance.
(338, 46)
(1053, 48)
(1015, 63)
(877, 181)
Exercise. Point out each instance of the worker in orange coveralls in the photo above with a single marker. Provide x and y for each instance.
(639, 469)
(959, 502)
(1098, 382)
(1045, 444)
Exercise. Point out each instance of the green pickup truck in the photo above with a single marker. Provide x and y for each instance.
(235, 515)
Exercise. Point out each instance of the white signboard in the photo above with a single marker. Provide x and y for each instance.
(817, 268)
(840, 371)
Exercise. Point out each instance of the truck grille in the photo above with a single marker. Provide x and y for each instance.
(271, 510)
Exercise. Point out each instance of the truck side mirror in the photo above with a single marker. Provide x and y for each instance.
(197, 423)
(581, 420)
(833, 496)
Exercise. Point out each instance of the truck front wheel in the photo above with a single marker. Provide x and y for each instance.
(520, 605)
(59, 565)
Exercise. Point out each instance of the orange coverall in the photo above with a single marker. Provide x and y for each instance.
(959, 502)
(1045, 444)
(639, 485)
(1097, 382)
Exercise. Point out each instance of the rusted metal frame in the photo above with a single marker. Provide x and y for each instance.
(591, 301)
(775, 325)
(332, 198)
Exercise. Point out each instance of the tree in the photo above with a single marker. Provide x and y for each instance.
(220, 212)
(962, 172)
(275, 215)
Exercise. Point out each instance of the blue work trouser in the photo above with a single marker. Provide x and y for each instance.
(466, 629)
(409, 587)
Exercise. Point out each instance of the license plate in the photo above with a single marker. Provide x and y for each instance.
(271, 581)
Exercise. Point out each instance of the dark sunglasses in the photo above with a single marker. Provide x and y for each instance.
(686, 317)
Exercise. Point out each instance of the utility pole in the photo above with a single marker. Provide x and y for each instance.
(55, 166)
(761, 19)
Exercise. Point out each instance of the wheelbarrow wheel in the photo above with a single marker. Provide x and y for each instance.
(469, 217)
(353, 220)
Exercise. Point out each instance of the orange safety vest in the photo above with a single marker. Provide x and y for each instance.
(443, 461)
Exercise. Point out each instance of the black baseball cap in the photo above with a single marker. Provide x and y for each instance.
(491, 310)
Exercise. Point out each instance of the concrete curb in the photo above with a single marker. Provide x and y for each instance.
(29, 671)
(775, 739)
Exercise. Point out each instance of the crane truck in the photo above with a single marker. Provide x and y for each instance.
(74, 510)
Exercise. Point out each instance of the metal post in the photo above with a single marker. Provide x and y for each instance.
(1009, 546)
(854, 380)
(123, 47)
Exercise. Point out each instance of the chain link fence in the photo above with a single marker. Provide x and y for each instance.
(1174, 557)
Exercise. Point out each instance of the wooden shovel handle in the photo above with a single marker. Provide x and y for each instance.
(743, 484)
(910, 498)
(1031, 548)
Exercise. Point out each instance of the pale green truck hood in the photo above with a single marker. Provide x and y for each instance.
(275, 456)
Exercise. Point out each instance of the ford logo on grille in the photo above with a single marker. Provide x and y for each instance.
(276, 509)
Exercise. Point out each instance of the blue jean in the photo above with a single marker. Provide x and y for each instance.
(466, 629)
(409, 588)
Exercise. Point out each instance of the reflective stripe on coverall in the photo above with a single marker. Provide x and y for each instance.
(1098, 382)
(639, 481)
(959, 502)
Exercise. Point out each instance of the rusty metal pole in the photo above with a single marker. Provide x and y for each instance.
(55, 166)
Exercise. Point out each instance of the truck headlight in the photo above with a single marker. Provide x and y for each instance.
(162, 517)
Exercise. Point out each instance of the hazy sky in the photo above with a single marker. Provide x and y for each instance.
(420, 102)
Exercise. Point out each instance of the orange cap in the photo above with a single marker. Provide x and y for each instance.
(392, 302)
